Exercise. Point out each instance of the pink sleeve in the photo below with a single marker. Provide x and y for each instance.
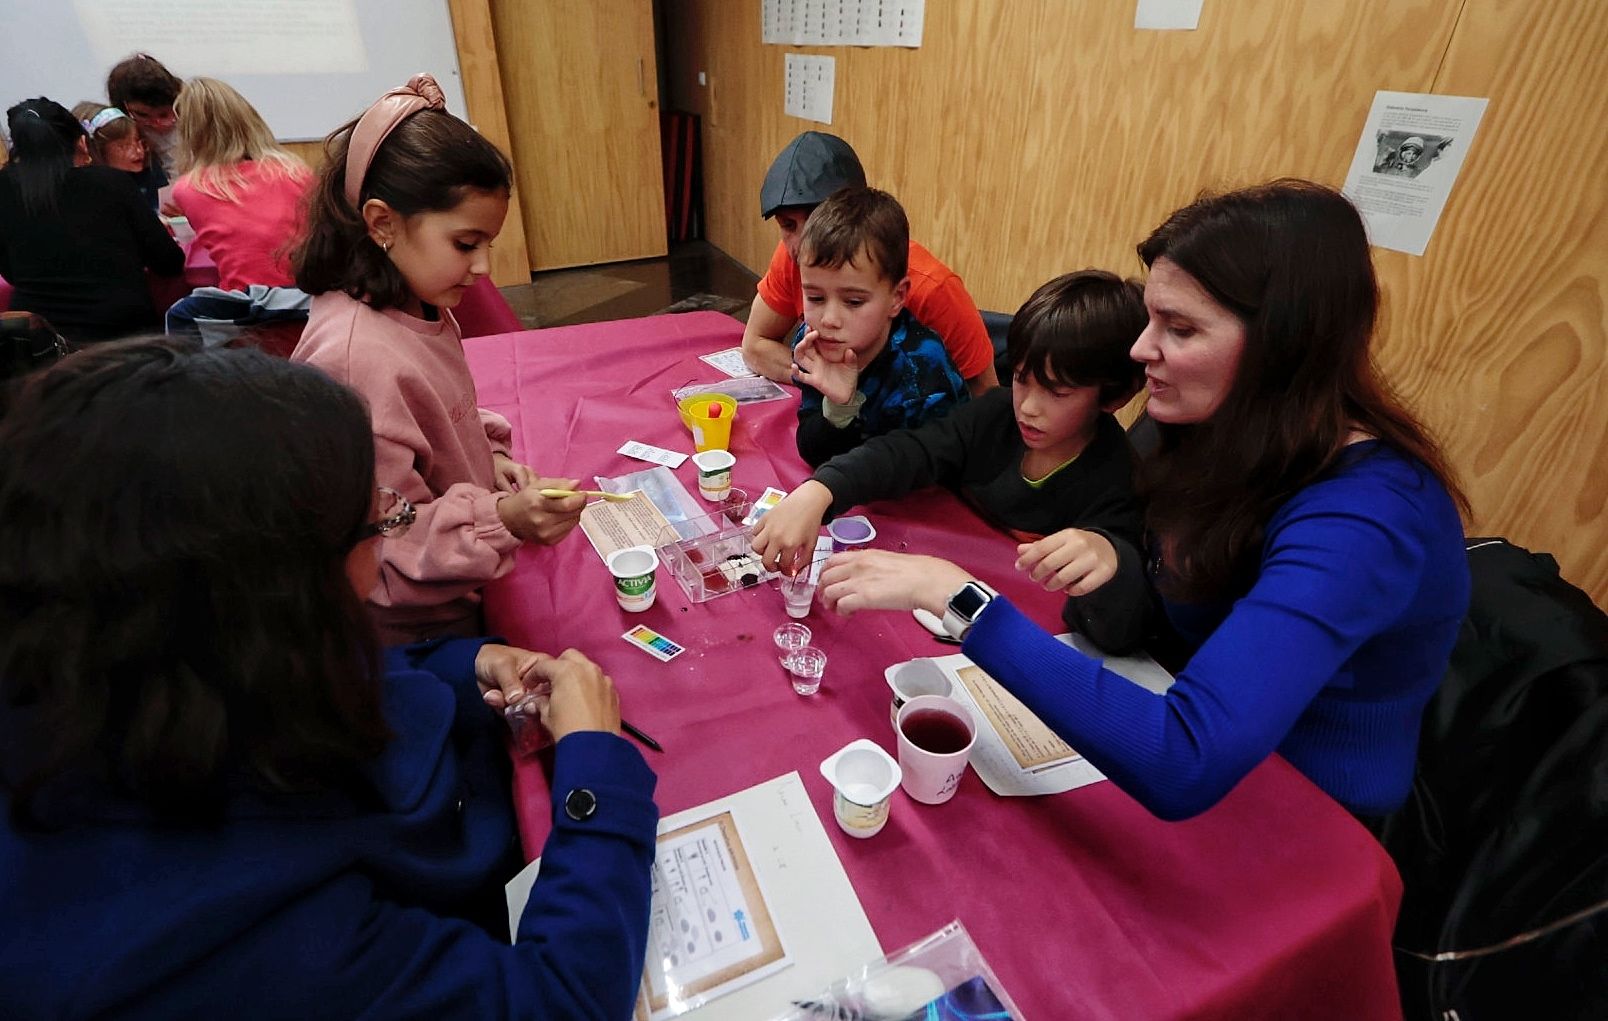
(498, 431)
(457, 543)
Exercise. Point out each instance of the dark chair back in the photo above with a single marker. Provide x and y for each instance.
(998, 325)
(1503, 844)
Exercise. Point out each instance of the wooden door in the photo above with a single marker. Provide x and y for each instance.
(581, 88)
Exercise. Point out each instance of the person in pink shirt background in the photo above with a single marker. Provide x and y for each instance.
(241, 191)
(399, 226)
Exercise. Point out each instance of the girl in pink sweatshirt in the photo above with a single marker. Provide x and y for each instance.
(400, 225)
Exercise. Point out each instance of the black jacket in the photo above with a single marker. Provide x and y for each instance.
(1506, 832)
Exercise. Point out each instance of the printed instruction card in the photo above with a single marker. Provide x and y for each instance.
(1410, 153)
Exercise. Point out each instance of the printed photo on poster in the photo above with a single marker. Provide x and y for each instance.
(1406, 161)
(1401, 154)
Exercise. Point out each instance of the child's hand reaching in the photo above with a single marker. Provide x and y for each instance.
(835, 380)
(785, 537)
(1071, 560)
(537, 518)
(511, 475)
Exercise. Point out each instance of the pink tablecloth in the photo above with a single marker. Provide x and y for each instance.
(1275, 903)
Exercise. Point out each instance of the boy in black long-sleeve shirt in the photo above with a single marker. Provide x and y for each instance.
(1044, 459)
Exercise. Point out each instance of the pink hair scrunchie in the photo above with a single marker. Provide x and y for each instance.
(420, 93)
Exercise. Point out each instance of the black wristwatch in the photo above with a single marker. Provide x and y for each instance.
(965, 606)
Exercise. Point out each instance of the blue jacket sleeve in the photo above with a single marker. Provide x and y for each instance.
(581, 941)
(1332, 577)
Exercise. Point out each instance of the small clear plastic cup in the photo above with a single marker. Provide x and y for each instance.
(789, 637)
(806, 666)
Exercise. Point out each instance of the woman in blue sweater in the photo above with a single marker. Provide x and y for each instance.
(220, 801)
(1304, 536)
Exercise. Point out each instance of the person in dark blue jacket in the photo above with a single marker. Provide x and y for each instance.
(1304, 535)
(220, 799)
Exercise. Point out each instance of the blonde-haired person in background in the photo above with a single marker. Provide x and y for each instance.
(241, 190)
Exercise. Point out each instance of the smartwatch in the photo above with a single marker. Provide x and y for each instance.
(965, 606)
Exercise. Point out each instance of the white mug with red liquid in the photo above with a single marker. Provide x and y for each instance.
(936, 735)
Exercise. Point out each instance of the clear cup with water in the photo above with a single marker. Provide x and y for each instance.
(805, 666)
(798, 592)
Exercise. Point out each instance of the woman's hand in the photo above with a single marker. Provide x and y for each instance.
(879, 580)
(836, 381)
(537, 518)
(582, 698)
(511, 475)
(501, 672)
(785, 537)
(1071, 561)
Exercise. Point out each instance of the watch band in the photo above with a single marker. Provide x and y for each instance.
(958, 623)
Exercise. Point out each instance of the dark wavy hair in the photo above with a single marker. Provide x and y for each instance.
(425, 165)
(143, 79)
(1077, 330)
(853, 219)
(43, 136)
(179, 621)
(1290, 259)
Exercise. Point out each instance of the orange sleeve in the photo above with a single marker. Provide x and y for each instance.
(941, 302)
(780, 285)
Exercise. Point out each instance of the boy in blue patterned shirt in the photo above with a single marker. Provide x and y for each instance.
(864, 365)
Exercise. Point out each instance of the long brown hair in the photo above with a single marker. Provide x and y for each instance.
(428, 163)
(195, 628)
(1290, 259)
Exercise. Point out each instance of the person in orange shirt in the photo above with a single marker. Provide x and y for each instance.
(808, 171)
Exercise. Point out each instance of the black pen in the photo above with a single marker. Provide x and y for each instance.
(645, 739)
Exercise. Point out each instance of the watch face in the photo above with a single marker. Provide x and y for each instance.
(969, 601)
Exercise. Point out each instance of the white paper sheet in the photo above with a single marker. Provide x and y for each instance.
(808, 86)
(1408, 157)
(808, 895)
(1016, 755)
(842, 22)
(710, 931)
(729, 361)
(1167, 14)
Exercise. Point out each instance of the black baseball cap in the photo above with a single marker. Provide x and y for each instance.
(808, 171)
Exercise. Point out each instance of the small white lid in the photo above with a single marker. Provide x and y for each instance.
(869, 774)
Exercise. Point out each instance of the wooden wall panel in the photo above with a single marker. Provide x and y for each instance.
(483, 94)
(582, 85)
(1030, 138)
(482, 88)
(1500, 333)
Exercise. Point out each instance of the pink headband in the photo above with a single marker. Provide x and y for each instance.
(420, 93)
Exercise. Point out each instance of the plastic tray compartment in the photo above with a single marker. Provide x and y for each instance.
(718, 561)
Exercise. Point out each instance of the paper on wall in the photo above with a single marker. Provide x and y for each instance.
(842, 22)
(1407, 159)
(1167, 14)
(808, 84)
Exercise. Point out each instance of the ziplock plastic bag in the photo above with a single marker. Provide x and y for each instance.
(942, 977)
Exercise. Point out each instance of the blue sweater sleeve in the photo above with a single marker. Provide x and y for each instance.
(1335, 573)
(581, 941)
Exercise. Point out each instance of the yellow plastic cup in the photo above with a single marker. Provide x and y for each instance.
(711, 430)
